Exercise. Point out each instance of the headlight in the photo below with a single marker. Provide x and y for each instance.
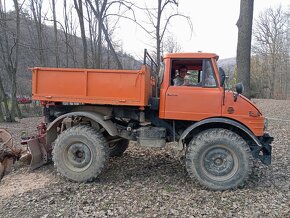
(265, 124)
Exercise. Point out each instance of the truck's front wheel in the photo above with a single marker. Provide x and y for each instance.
(80, 153)
(219, 159)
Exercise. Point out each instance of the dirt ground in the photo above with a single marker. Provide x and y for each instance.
(151, 183)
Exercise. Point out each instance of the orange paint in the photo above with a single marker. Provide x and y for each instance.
(114, 87)
(134, 88)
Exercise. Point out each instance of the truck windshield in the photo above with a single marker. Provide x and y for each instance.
(208, 74)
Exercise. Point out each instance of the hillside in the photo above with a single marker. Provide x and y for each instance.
(70, 56)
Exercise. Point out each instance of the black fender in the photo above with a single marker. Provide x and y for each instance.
(51, 132)
(218, 120)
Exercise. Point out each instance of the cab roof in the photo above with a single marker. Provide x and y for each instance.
(191, 55)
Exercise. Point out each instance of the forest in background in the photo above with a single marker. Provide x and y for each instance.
(83, 36)
(34, 34)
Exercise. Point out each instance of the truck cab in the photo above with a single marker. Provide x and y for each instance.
(196, 100)
(203, 96)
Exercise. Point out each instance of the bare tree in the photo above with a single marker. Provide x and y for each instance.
(159, 18)
(37, 14)
(14, 69)
(92, 24)
(70, 35)
(270, 45)
(55, 34)
(79, 8)
(66, 27)
(101, 10)
(4, 110)
(244, 25)
(170, 45)
(10, 54)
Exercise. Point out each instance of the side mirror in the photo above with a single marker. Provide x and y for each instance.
(222, 76)
(240, 88)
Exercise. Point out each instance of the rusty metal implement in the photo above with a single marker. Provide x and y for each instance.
(8, 152)
(38, 149)
(33, 151)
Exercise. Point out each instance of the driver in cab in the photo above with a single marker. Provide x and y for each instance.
(180, 79)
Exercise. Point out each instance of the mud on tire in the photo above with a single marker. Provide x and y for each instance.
(219, 159)
(80, 153)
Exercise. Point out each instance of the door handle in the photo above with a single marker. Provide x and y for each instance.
(168, 94)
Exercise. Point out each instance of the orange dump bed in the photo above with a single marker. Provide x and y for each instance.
(113, 87)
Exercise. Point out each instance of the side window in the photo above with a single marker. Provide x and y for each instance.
(161, 73)
(208, 74)
(186, 72)
(192, 72)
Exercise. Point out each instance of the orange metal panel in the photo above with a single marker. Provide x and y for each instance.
(240, 111)
(192, 103)
(116, 87)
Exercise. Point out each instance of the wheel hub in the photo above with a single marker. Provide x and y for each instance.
(219, 163)
(78, 156)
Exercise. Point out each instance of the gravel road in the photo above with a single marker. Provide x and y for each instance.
(151, 183)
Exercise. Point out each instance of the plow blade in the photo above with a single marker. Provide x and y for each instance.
(38, 151)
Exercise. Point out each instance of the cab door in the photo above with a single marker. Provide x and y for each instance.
(197, 101)
(192, 103)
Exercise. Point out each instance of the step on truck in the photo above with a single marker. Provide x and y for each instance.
(92, 114)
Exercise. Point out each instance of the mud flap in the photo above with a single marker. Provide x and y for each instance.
(263, 152)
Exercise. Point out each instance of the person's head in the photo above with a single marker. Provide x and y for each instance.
(182, 71)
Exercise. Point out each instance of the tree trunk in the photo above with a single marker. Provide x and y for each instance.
(244, 25)
(119, 64)
(66, 34)
(158, 39)
(79, 9)
(1, 113)
(91, 30)
(13, 96)
(36, 7)
(3, 101)
(55, 34)
(99, 42)
(14, 66)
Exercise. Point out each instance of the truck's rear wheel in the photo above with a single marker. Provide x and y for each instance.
(80, 153)
(117, 148)
(219, 159)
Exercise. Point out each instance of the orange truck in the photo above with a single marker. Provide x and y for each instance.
(92, 114)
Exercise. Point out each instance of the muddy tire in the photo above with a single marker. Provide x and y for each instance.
(219, 159)
(80, 153)
(116, 149)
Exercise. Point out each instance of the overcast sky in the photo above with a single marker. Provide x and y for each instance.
(214, 26)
